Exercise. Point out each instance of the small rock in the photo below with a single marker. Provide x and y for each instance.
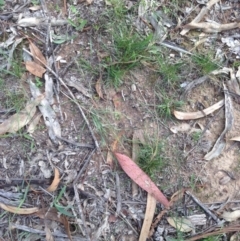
(133, 88)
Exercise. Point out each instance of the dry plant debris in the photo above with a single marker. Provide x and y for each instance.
(82, 82)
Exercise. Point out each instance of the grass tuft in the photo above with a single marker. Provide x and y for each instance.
(151, 158)
(167, 106)
(205, 63)
(129, 49)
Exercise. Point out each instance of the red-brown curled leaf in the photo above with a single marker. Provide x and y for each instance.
(141, 178)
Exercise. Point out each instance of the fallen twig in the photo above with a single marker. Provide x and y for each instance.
(119, 204)
(75, 143)
(40, 232)
(219, 230)
(174, 47)
(64, 71)
(84, 166)
(200, 204)
(77, 199)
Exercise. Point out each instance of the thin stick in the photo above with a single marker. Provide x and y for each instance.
(78, 221)
(75, 143)
(215, 218)
(40, 232)
(84, 166)
(63, 72)
(119, 203)
(74, 99)
(80, 211)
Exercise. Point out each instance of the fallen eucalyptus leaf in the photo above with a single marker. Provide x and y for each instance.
(73, 82)
(37, 54)
(52, 214)
(55, 181)
(35, 68)
(141, 178)
(231, 216)
(181, 224)
(19, 120)
(18, 210)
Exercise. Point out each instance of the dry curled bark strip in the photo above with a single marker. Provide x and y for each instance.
(199, 17)
(198, 114)
(73, 98)
(149, 213)
(213, 27)
(220, 143)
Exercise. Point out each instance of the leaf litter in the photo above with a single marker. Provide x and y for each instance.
(149, 18)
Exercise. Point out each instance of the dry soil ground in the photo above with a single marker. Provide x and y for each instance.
(116, 91)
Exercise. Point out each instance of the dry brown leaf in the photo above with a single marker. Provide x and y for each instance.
(141, 178)
(19, 120)
(110, 159)
(18, 210)
(35, 68)
(181, 224)
(66, 226)
(37, 54)
(117, 101)
(99, 88)
(78, 85)
(198, 114)
(49, 236)
(55, 181)
(52, 214)
(231, 216)
(148, 218)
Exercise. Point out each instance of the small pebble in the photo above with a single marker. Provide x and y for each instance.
(133, 87)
